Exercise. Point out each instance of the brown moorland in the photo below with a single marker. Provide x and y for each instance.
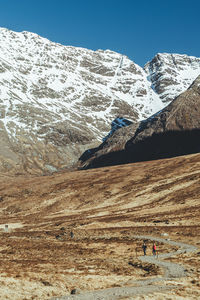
(104, 209)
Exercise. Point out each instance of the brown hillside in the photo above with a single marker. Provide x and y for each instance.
(104, 208)
(173, 131)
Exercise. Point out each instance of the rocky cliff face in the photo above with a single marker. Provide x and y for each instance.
(171, 74)
(57, 101)
(173, 131)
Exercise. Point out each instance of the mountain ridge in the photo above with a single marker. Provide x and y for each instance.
(57, 101)
(173, 131)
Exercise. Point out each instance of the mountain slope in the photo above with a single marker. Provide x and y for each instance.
(57, 101)
(105, 208)
(175, 130)
(171, 74)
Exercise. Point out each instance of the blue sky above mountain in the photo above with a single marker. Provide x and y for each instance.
(138, 29)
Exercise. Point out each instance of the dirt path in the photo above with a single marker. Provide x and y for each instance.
(171, 271)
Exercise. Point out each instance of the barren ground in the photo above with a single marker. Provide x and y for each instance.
(105, 208)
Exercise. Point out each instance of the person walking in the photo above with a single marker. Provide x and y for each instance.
(154, 249)
(144, 247)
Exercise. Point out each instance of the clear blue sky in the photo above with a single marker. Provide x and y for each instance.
(136, 28)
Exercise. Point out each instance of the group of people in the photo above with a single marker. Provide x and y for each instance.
(144, 247)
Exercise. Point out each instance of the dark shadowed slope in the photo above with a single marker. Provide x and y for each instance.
(173, 131)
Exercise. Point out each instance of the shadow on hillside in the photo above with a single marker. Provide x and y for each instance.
(116, 124)
(90, 152)
(159, 145)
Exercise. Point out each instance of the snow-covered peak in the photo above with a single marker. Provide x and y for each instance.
(171, 74)
(95, 85)
(64, 95)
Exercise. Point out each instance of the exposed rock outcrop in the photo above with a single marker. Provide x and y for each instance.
(171, 74)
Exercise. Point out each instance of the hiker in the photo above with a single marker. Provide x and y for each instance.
(154, 249)
(144, 247)
(71, 234)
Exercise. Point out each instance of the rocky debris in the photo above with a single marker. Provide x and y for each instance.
(164, 234)
(75, 291)
(45, 283)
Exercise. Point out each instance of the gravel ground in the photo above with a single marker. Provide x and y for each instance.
(171, 271)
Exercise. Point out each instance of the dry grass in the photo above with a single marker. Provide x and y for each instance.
(104, 208)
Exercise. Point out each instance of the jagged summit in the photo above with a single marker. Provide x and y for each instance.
(57, 101)
(171, 74)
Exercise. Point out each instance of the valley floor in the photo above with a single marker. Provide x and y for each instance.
(105, 209)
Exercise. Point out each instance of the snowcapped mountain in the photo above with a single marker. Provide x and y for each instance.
(56, 101)
(171, 74)
(173, 131)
